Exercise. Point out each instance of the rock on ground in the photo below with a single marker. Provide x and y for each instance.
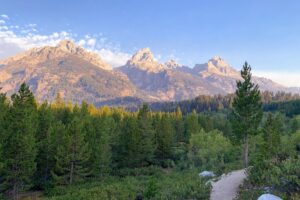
(269, 197)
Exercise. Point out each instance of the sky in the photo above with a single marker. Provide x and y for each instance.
(266, 33)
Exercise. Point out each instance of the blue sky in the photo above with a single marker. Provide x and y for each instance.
(266, 33)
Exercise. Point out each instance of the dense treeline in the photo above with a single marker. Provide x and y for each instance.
(53, 145)
(272, 102)
(48, 145)
(290, 108)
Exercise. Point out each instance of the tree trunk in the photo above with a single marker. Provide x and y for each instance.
(15, 192)
(246, 151)
(71, 172)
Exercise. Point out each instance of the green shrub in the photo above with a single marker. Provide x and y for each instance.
(169, 185)
(210, 150)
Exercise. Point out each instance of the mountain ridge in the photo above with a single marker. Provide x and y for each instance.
(82, 75)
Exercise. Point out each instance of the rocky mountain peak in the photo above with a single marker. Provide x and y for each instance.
(144, 60)
(143, 55)
(217, 66)
(67, 45)
(218, 62)
(63, 49)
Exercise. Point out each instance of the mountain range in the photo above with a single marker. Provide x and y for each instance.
(77, 75)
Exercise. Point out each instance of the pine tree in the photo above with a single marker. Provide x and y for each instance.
(57, 137)
(45, 155)
(129, 153)
(61, 111)
(147, 132)
(72, 156)
(271, 135)
(165, 138)
(3, 117)
(99, 139)
(19, 148)
(246, 110)
(179, 126)
(191, 125)
(3, 112)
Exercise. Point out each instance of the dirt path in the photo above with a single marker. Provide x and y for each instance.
(227, 187)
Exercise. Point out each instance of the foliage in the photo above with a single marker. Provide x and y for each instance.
(83, 152)
(174, 185)
(276, 160)
(246, 109)
(287, 103)
(209, 150)
(19, 143)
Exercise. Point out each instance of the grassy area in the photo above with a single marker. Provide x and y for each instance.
(161, 185)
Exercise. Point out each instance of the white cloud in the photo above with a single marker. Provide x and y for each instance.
(2, 21)
(91, 42)
(81, 42)
(11, 42)
(290, 79)
(15, 39)
(116, 59)
(55, 35)
(4, 16)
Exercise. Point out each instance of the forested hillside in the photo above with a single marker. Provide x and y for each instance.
(285, 102)
(70, 151)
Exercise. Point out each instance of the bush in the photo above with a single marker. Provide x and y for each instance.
(170, 185)
(210, 151)
(281, 171)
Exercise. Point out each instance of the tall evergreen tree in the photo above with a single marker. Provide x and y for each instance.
(271, 135)
(179, 126)
(191, 125)
(72, 156)
(3, 117)
(246, 110)
(3, 112)
(147, 135)
(165, 137)
(19, 148)
(99, 139)
(61, 111)
(130, 150)
(45, 155)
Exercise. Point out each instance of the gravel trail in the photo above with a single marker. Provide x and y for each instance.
(227, 187)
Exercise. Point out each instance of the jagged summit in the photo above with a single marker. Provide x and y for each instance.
(143, 55)
(217, 58)
(144, 60)
(63, 49)
(218, 62)
(216, 65)
(78, 74)
(67, 45)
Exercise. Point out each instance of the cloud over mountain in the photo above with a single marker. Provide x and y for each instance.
(16, 38)
(79, 74)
